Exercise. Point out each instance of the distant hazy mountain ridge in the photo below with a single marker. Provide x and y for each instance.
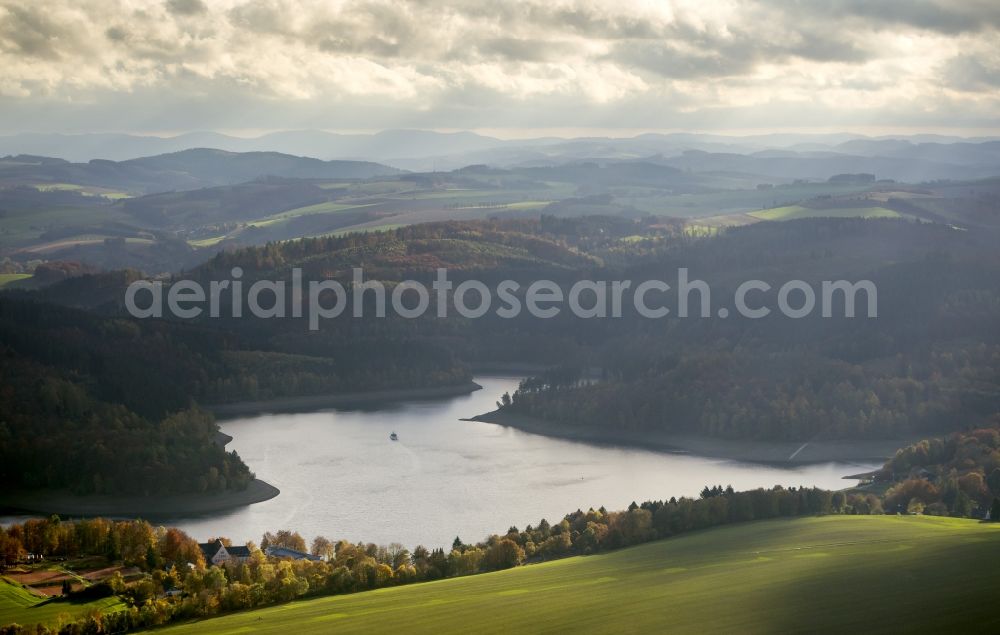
(183, 170)
(911, 158)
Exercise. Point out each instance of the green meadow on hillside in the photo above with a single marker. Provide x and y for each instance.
(793, 212)
(308, 210)
(8, 278)
(821, 574)
(20, 606)
(735, 197)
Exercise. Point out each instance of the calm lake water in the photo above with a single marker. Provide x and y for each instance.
(341, 476)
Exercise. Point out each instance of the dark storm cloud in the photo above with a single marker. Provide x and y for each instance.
(186, 7)
(519, 49)
(942, 16)
(372, 46)
(430, 63)
(687, 52)
(116, 33)
(27, 30)
(262, 17)
(667, 60)
(538, 32)
(971, 73)
(587, 21)
(370, 29)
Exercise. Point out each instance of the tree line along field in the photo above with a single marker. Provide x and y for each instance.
(819, 574)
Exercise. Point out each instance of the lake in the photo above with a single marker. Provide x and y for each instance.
(342, 477)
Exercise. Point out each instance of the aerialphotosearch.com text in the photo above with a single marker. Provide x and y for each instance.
(318, 300)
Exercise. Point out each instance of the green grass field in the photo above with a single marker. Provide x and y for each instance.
(7, 278)
(86, 190)
(20, 606)
(319, 208)
(735, 199)
(207, 242)
(710, 225)
(830, 574)
(792, 212)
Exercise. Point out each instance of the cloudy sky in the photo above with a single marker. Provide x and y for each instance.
(726, 65)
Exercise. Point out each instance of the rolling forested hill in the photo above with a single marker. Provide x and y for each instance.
(927, 364)
(164, 213)
(928, 360)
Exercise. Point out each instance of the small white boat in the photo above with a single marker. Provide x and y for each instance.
(393, 437)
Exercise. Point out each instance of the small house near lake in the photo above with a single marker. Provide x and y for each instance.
(217, 553)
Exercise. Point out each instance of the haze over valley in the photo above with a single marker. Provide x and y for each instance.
(601, 316)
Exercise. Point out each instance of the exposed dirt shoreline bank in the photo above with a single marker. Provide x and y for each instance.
(778, 452)
(67, 504)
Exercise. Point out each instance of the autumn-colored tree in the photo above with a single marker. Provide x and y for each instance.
(283, 538)
(397, 555)
(11, 549)
(898, 497)
(322, 547)
(503, 555)
(974, 485)
(177, 548)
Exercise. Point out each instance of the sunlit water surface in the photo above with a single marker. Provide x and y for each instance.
(342, 477)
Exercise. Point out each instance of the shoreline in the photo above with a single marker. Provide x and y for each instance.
(778, 452)
(66, 504)
(522, 369)
(340, 400)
